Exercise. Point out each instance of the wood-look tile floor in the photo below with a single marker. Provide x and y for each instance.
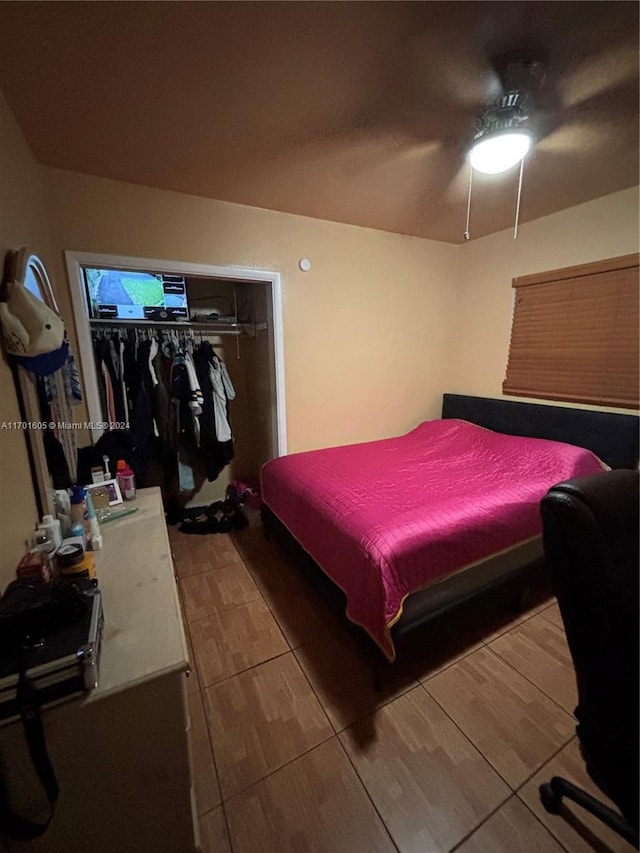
(294, 752)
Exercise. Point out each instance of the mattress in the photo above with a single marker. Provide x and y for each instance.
(387, 518)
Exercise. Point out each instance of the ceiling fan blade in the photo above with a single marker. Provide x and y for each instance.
(607, 118)
(612, 68)
(420, 91)
(360, 151)
(583, 137)
(458, 187)
(383, 152)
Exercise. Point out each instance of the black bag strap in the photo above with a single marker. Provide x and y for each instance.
(12, 824)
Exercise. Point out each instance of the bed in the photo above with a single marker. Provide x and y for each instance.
(412, 525)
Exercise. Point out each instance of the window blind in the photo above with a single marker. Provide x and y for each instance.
(574, 335)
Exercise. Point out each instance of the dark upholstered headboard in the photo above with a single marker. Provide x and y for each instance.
(612, 437)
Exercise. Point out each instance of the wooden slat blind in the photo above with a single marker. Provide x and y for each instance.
(575, 335)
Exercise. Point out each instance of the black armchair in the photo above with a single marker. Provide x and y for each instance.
(590, 534)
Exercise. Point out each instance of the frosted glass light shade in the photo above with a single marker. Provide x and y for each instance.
(499, 152)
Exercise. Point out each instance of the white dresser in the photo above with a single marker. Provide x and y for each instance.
(121, 754)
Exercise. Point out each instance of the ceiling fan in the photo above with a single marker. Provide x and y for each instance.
(559, 87)
(507, 128)
(529, 113)
(427, 119)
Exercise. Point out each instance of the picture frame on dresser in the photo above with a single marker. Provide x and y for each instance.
(97, 490)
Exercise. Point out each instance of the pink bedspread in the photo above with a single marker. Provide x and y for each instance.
(387, 518)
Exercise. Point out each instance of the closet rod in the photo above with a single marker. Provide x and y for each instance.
(213, 328)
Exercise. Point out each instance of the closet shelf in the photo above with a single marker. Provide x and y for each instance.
(213, 328)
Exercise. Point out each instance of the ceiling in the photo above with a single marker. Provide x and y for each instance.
(354, 112)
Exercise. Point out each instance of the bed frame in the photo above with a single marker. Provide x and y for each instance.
(614, 438)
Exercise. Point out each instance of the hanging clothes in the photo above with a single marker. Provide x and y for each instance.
(174, 396)
(196, 398)
(55, 454)
(142, 420)
(223, 429)
(125, 395)
(108, 366)
(60, 392)
(216, 441)
(183, 422)
(161, 396)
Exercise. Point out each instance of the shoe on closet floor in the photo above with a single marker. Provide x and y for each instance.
(199, 524)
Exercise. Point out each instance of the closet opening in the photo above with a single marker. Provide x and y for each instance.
(173, 313)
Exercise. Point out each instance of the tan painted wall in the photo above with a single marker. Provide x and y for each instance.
(373, 334)
(364, 330)
(478, 349)
(22, 223)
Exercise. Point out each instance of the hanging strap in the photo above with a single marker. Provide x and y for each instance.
(12, 824)
(515, 228)
(467, 233)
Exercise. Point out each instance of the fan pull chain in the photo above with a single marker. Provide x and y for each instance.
(515, 230)
(467, 235)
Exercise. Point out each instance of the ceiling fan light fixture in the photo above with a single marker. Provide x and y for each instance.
(505, 130)
(497, 152)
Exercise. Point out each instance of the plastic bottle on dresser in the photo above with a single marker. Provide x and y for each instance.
(53, 527)
(42, 541)
(94, 537)
(77, 532)
(78, 513)
(78, 510)
(62, 506)
(126, 480)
